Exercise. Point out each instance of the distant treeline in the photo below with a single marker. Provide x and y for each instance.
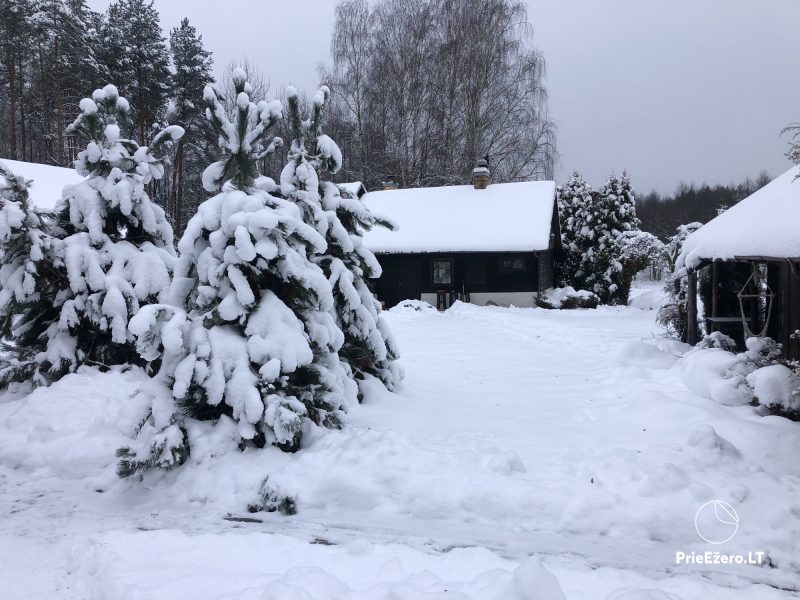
(661, 215)
(421, 88)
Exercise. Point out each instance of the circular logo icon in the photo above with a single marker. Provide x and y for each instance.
(716, 522)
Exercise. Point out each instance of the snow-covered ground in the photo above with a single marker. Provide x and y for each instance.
(528, 452)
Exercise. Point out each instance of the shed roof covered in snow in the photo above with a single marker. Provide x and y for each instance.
(504, 217)
(48, 181)
(355, 189)
(766, 224)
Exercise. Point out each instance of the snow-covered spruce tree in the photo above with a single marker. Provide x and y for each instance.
(29, 286)
(117, 244)
(573, 199)
(369, 347)
(250, 334)
(618, 249)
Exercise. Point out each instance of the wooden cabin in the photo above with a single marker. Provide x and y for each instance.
(749, 255)
(482, 243)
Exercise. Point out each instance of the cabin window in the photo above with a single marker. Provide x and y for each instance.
(513, 263)
(442, 271)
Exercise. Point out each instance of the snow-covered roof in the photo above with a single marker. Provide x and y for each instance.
(504, 217)
(48, 181)
(355, 188)
(765, 224)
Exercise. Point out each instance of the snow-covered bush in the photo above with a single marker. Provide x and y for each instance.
(413, 306)
(717, 339)
(567, 298)
(673, 316)
(107, 252)
(672, 249)
(775, 382)
(714, 369)
(777, 388)
(369, 347)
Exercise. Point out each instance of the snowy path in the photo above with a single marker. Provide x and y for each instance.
(516, 432)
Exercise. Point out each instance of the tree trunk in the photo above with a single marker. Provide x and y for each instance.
(691, 308)
(12, 113)
(59, 100)
(176, 193)
(23, 136)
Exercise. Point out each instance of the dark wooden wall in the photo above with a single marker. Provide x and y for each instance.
(407, 276)
(788, 306)
(546, 275)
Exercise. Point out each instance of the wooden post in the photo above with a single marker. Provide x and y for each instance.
(691, 307)
(714, 293)
(755, 308)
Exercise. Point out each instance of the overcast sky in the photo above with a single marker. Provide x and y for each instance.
(671, 90)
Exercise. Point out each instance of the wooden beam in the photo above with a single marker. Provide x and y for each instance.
(691, 307)
(715, 291)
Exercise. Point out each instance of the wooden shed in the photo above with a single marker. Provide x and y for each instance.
(482, 243)
(751, 256)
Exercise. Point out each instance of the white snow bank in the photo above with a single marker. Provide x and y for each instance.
(253, 566)
(239, 564)
(648, 297)
(72, 429)
(505, 217)
(48, 181)
(766, 223)
(712, 373)
(644, 354)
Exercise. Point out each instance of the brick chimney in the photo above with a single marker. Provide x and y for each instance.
(480, 174)
(390, 183)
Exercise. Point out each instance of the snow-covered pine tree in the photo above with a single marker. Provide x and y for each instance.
(250, 335)
(369, 347)
(135, 53)
(192, 65)
(117, 244)
(29, 286)
(574, 199)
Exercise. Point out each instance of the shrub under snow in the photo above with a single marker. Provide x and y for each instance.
(568, 297)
